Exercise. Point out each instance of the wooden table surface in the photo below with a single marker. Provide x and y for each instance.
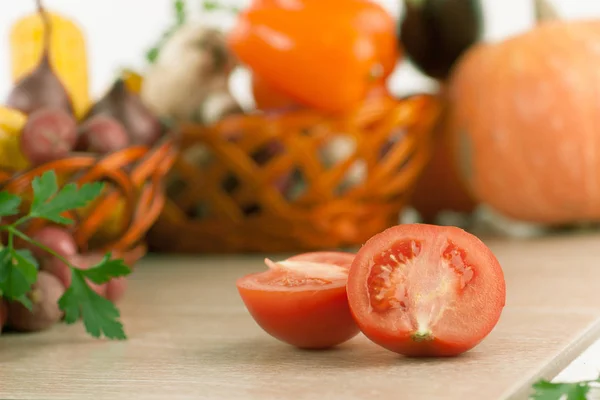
(190, 337)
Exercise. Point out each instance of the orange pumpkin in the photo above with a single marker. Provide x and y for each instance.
(528, 122)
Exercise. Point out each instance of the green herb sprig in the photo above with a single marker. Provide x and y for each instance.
(214, 5)
(545, 390)
(19, 269)
(180, 19)
(180, 12)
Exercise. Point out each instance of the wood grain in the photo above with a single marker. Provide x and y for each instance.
(190, 337)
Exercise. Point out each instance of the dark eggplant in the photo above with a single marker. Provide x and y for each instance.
(41, 88)
(435, 33)
(143, 127)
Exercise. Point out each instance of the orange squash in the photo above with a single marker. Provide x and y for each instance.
(527, 114)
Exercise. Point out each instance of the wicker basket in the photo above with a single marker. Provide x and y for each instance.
(133, 197)
(269, 182)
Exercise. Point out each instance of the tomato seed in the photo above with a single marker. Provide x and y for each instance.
(456, 258)
(386, 280)
(388, 290)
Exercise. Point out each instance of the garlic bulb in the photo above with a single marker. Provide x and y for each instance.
(193, 66)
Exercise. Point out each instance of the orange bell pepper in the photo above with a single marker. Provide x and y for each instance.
(323, 54)
(265, 97)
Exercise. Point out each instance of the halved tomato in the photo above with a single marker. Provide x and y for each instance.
(426, 290)
(338, 258)
(300, 302)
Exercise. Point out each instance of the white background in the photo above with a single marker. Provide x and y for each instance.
(119, 31)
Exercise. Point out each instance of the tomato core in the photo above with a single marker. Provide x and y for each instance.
(290, 274)
(418, 286)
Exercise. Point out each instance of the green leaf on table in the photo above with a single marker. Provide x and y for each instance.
(106, 269)
(18, 272)
(9, 204)
(545, 390)
(49, 202)
(100, 316)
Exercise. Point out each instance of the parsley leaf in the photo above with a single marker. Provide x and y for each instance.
(9, 204)
(44, 187)
(27, 256)
(152, 54)
(23, 299)
(214, 5)
(210, 5)
(106, 269)
(180, 19)
(18, 271)
(545, 390)
(100, 316)
(49, 203)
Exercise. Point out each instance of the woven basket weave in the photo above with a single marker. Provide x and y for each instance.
(131, 202)
(277, 182)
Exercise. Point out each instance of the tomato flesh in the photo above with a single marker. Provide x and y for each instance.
(340, 258)
(302, 303)
(425, 290)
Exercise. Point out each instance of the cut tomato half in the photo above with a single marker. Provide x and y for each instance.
(426, 290)
(340, 258)
(302, 303)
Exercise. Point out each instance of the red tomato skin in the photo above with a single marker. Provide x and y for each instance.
(308, 319)
(402, 342)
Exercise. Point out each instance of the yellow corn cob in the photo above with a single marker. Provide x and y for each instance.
(68, 55)
(11, 124)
